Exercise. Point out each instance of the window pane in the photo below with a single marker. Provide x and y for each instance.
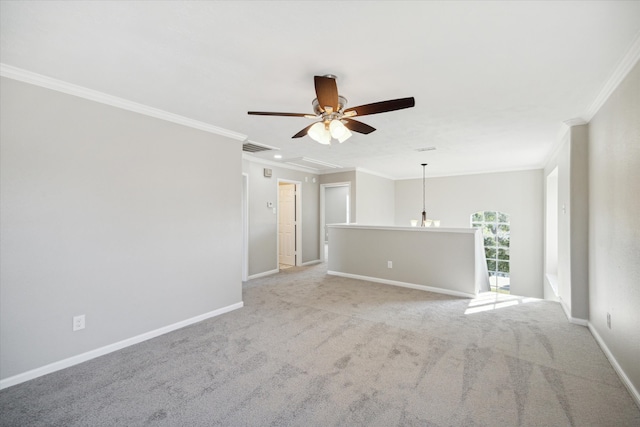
(490, 253)
(503, 241)
(503, 217)
(490, 216)
(477, 217)
(476, 225)
(503, 266)
(503, 228)
(489, 241)
(491, 265)
(488, 230)
(503, 254)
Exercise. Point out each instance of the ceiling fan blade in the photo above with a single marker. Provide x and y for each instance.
(327, 92)
(303, 132)
(381, 107)
(357, 126)
(267, 113)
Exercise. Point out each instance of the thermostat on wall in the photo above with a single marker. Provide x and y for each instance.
(267, 172)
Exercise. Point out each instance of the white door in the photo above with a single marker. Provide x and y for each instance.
(287, 224)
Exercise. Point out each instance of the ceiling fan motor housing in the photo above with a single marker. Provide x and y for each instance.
(319, 111)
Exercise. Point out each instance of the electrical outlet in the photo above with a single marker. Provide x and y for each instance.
(609, 320)
(78, 322)
(389, 264)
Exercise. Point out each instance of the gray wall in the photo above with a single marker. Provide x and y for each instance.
(130, 220)
(263, 222)
(438, 259)
(372, 197)
(452, 200)
(614, 224)
(335, 206)
(375, 199)
(350, 177)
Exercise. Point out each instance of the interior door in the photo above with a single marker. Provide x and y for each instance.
(287, 224)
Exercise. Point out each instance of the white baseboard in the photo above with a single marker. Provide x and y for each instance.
(403, 284)
(264, 273)
(567, 312)
(315, 261)
(616, 366)
(74, 360)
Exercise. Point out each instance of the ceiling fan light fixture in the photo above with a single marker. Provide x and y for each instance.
(319, 133)
(337, 129)
(346, 136)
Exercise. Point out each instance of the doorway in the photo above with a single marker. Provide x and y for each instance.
(335, 208)
(288, 224)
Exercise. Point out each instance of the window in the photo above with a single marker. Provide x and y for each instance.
(496, 231)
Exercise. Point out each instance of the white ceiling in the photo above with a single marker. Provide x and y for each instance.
(493, 81)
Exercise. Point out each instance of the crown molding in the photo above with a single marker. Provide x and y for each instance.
(103, 98)
(255, 159)
(628, 61)
(370, 172)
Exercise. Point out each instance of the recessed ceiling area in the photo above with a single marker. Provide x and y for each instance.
(493, 82)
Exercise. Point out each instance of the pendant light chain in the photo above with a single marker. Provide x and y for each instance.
(424, 206)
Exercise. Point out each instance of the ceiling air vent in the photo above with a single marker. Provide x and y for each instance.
(252, 147)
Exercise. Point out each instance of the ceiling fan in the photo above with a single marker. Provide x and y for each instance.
(336, 121)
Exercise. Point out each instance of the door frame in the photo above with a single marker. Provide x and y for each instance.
(323, 225)
(298, 208)
(245, 226)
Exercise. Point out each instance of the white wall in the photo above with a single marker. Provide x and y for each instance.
(263, 222)
(614, 225)
(561, 162)
(130, 220)
(551, 229)
(452, 200)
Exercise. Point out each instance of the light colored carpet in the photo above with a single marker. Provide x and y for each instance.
(315, 350)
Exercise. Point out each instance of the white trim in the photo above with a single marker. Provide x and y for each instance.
(469, 230)
(553, 282)
(567, 312)
(294, 160)
(356, 169)
(578, 121)
(92, 354)
(267, 162)
(471, 173)
(370, 172)
(298, 208)
(264, 273)
(245, 227)
(403, 284)
(561, 137)
(315, 261)
(624, 66)
(616, 366)
(103, 98)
